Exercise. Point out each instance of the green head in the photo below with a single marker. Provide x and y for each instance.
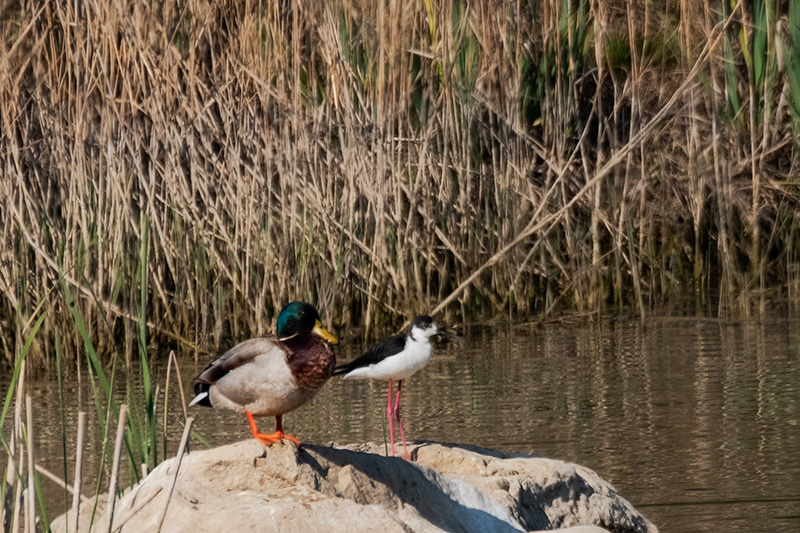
(300, 317)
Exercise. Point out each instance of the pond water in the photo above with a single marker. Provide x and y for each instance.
(695, 421)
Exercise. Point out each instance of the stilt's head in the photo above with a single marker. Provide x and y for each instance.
(300, 317)
(423, 328)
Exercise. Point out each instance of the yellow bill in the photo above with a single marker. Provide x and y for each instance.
(322, 332)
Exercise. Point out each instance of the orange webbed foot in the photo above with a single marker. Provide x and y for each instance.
(274, 438)
(269, 440)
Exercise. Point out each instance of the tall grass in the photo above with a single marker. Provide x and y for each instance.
(136, 434)
(381, 158)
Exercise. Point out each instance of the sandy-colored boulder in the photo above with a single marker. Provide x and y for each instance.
(246, 487)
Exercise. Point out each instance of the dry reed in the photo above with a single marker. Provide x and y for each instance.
(112, 484)
(379, 159)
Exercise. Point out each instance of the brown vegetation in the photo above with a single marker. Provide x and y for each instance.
(378, 160)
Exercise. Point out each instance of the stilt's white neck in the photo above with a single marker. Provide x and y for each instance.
(422, 336)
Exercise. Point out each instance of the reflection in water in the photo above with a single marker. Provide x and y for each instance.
(696, 422)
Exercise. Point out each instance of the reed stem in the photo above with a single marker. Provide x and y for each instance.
(187, 430)
(78, 482)
(30, 498)
(112, 485)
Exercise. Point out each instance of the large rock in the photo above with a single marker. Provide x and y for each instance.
(447, 487)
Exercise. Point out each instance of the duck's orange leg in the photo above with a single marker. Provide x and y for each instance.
(269, 440)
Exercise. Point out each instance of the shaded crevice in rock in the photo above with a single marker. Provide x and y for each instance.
(529, 511)
(370, 478)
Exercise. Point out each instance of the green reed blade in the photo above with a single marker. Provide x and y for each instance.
(97, 374)
(37, 487)
(150, 447)
(59, 373)
(197, 436)
(792, 51)
(87, 342)
(45, 520)
(731, 83)
(17, 369)
(760, 52)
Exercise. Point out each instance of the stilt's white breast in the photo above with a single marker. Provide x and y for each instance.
(402, 365)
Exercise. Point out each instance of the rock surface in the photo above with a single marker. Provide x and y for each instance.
(447, 487)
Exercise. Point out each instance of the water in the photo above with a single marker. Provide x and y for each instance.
(696, 422)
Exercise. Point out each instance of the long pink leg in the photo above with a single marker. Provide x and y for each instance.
(389, 416)
(400, 424)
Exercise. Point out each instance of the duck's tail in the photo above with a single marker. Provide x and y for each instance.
(342, 369)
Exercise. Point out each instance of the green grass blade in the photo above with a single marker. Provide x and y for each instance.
(97, 374)
(17, 369)
(150, 448)
(200, 439)
(759, 43)
(792, 50)
(59, 372)
(731, 84)
(37, 487)
(40, 498)
(87, 343)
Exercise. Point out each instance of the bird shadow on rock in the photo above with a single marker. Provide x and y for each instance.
(393, 482)
(525, 506)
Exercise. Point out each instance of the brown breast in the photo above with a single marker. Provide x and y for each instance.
(310, 359)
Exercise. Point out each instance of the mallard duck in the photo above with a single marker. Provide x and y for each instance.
(272, 375)
(395, 358)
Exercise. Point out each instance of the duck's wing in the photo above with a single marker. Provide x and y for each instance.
(386, 348)
(239, 356)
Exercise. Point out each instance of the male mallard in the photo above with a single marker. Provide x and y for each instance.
(395, 358)
(270, 376)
